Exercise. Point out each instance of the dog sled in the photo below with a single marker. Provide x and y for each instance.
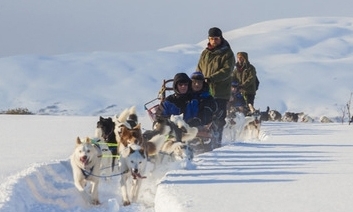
(207, 136)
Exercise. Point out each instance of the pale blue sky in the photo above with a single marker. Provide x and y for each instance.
(62, 26)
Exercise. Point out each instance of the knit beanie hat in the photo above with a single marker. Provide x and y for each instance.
(235, 84)
(214, 32)
(244, 55)
(197, 76)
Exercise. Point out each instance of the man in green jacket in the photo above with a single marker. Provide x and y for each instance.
(245, 75)
(216, 63)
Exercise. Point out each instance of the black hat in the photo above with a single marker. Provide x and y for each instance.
(214, 32)
(180, 78)
(197, 76)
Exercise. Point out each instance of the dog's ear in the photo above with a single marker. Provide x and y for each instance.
(131, 150)
(88, 140)
(101, 118)
(78, 140)
(142, 152)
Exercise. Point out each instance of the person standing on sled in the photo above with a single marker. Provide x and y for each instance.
(180, 102)
(245, 75)
(216, 63)
(201, 92)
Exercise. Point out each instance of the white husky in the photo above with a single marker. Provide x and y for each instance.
(85, 163)
(132, 164)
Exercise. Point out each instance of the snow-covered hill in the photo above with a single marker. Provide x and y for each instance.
(304, 65)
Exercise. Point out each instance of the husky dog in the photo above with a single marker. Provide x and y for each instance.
(128, 118)
(132, 164)
(189, 133)
(291, 117)
(171, 136)
(274, 115)
(251, 127)
(264, 115)
(325, 119)
(127, 129)
(231, 122)
(105, 132)
(85, 163)
(306, 118)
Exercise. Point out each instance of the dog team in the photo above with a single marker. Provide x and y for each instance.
(119, 148)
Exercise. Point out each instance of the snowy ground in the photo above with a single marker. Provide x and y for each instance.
(295, 167)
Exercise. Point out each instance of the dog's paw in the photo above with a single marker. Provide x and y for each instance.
(126, 203)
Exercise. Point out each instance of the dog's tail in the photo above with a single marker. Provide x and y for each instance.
(132, 119)
(122, 118)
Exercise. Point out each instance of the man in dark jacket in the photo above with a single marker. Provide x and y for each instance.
(181, 101)
(200, 92)
(217, 63)
(245, 75)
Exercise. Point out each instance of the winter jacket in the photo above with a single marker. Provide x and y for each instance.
(238, 100)
(176, 104)
(217, 65)
(207, 104)
(246, 77)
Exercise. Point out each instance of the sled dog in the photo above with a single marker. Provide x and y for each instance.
(171, 137)
(274, 115)
(189, 133)
(132, 164)
(325, 119)
(251, 128)
(181, 149)
(105, 132)
(246, 127)
(264, 115)
(85, 162)
(127, 129)
(291, 117)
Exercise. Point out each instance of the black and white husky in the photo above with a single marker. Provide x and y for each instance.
(175, 134)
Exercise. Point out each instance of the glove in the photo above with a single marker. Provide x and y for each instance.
(194, 122)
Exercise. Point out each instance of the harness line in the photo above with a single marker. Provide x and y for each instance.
(86, 173)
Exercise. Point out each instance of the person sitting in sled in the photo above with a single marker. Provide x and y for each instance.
(207, 104)
(181, 102)
(236, 102)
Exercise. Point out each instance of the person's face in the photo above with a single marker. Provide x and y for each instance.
(183, 87)
(196, 85)
(234, 89)
(214, 41)
(240, 59)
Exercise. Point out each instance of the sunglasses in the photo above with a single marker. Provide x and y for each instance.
(183, 84)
